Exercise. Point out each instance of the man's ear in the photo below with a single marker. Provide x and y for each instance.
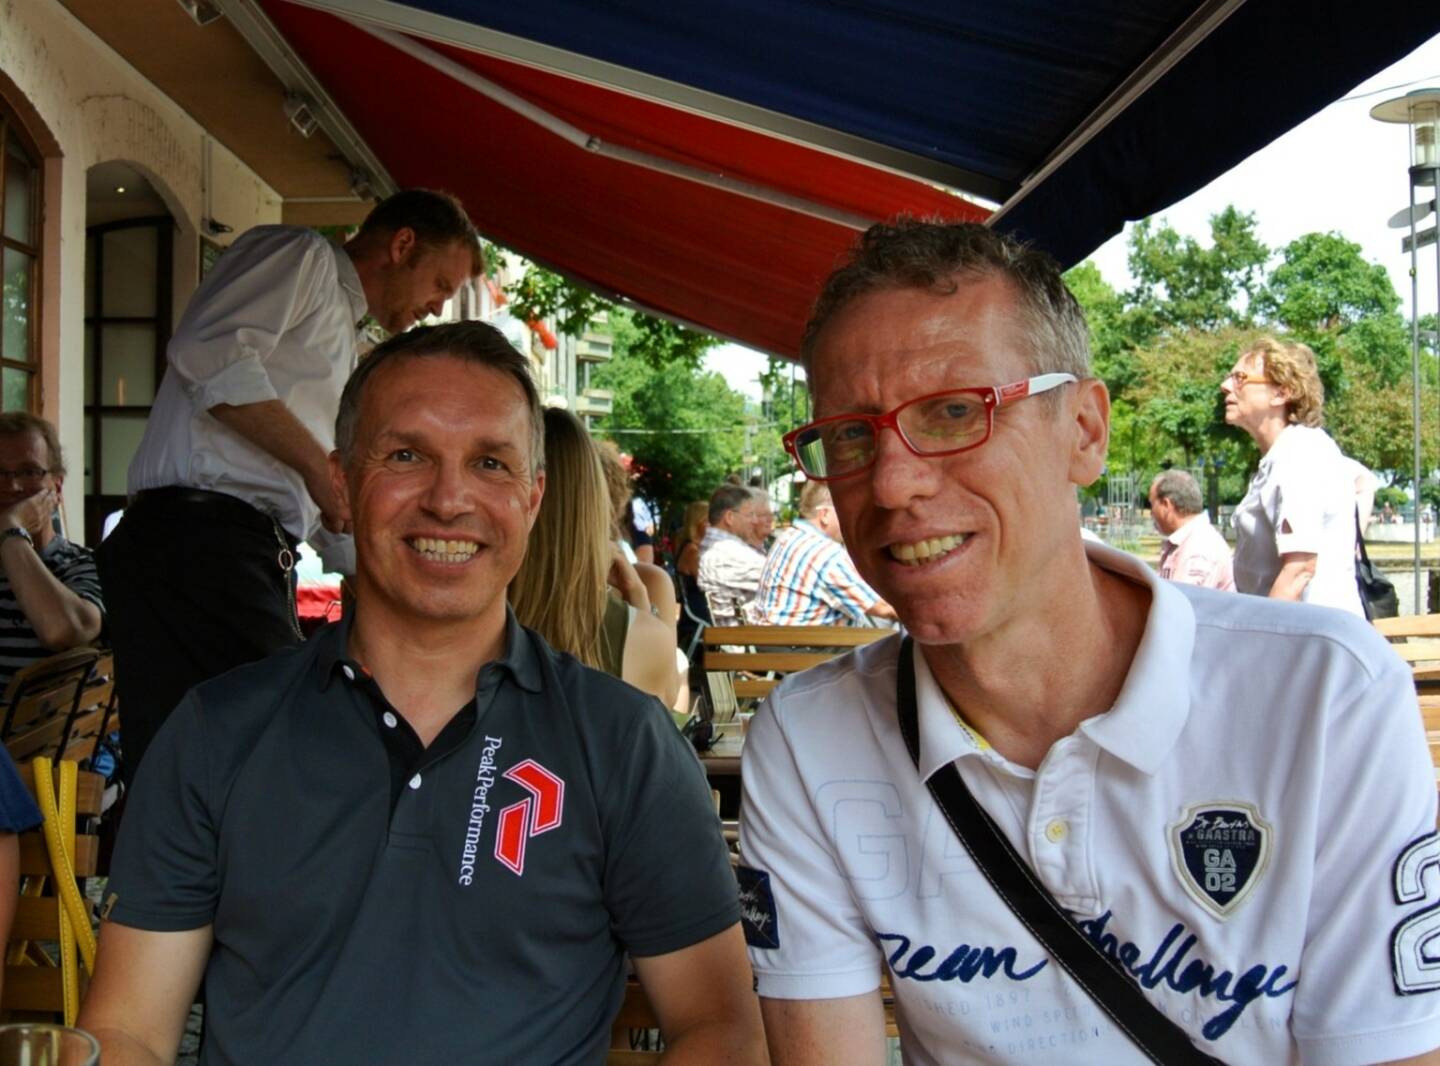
(340, 484)
(1091, 414)
(402, 244)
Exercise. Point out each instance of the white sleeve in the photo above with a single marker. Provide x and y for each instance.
(1298, 507)
(822, 947)
(1369, 982)
(232, 325)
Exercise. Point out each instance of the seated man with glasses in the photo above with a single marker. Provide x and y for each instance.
(49, 592)
(1210, 818)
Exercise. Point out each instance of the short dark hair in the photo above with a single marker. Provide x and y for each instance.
(728, 498)
(911, 253)
(13, 422)
(473, 342)
(438, 219)
(1181, 489)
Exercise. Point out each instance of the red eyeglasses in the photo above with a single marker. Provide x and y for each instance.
(940, 423)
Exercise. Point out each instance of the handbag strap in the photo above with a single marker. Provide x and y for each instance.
(1160, 1039)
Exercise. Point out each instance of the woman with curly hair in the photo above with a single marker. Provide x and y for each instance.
(1295, 528)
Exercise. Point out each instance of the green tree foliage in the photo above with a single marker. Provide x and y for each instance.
(544, 294)
(693, 423)
(1180, 283)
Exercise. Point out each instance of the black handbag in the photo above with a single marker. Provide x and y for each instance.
(1158, 1038)
(1377, 592)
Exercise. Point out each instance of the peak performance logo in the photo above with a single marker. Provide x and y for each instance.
(538, 813)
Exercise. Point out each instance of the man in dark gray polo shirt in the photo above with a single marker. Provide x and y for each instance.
(365, 874)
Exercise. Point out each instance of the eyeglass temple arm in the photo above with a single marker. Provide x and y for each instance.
(1032, 387)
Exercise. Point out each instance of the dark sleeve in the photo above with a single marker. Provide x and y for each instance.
(668, 883)
(163, 876)
(77, 573)
(17, 807)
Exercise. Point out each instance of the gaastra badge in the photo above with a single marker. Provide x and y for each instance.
(1219, 850)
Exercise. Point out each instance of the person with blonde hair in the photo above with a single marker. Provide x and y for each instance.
(1295, 528)
(575, 588)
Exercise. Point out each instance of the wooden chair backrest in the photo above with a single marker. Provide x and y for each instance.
(779, 650)
(1409, 625)
(95, 715)
(30, 988)
(41, 702)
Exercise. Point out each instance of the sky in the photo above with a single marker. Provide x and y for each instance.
(1339, 170)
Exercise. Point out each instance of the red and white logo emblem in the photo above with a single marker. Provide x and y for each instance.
(538, 813)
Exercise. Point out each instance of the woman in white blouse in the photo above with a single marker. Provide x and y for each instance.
(1295, 528)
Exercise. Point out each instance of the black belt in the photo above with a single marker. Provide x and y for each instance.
(189, 494)
(219, 501)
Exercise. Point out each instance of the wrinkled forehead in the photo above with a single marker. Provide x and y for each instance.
(1251, 362)
(25, 446)
(894, 343)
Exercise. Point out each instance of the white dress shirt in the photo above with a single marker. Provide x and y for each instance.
(275, 319)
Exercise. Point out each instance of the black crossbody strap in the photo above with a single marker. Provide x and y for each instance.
(1113, 990)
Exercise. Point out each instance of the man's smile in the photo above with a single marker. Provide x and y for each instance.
(443, 551)
(919, 552)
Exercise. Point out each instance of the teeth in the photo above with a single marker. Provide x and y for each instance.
(924, 550)
(444, 551)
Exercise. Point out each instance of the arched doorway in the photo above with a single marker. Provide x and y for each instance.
(129, 266)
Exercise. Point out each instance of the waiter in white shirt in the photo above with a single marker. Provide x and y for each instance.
(232, 472)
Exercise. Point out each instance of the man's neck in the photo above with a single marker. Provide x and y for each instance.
(1035, 680)
(426, 669)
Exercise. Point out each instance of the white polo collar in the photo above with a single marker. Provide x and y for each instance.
(1150, 712)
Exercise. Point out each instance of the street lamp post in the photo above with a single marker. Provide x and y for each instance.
(1420, 110)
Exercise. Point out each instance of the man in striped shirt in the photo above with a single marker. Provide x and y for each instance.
(809, 579)
(49, 592)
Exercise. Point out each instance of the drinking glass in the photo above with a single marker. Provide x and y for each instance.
(47, 1045)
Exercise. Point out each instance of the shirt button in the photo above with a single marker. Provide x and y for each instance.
(1056, 831)
(415, 781)
(349, 673)
(389, 719)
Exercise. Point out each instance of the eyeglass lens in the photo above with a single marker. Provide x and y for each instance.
(931, 426)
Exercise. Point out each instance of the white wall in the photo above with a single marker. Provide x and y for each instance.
(98, 108)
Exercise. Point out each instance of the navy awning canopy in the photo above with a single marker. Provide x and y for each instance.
(1073, 117)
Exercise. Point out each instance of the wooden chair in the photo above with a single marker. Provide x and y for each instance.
(1409, 625)
(95, 715)
(41, 703)
(778, 650)
(33, 982)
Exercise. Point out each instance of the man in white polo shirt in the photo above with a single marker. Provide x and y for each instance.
(1230, 798)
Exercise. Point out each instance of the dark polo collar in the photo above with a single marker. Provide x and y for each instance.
(520, 660)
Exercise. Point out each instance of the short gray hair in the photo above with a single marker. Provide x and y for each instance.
(728, 498)
(15, 422)
(472, 342)
(1181, 489)
(937, 256)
